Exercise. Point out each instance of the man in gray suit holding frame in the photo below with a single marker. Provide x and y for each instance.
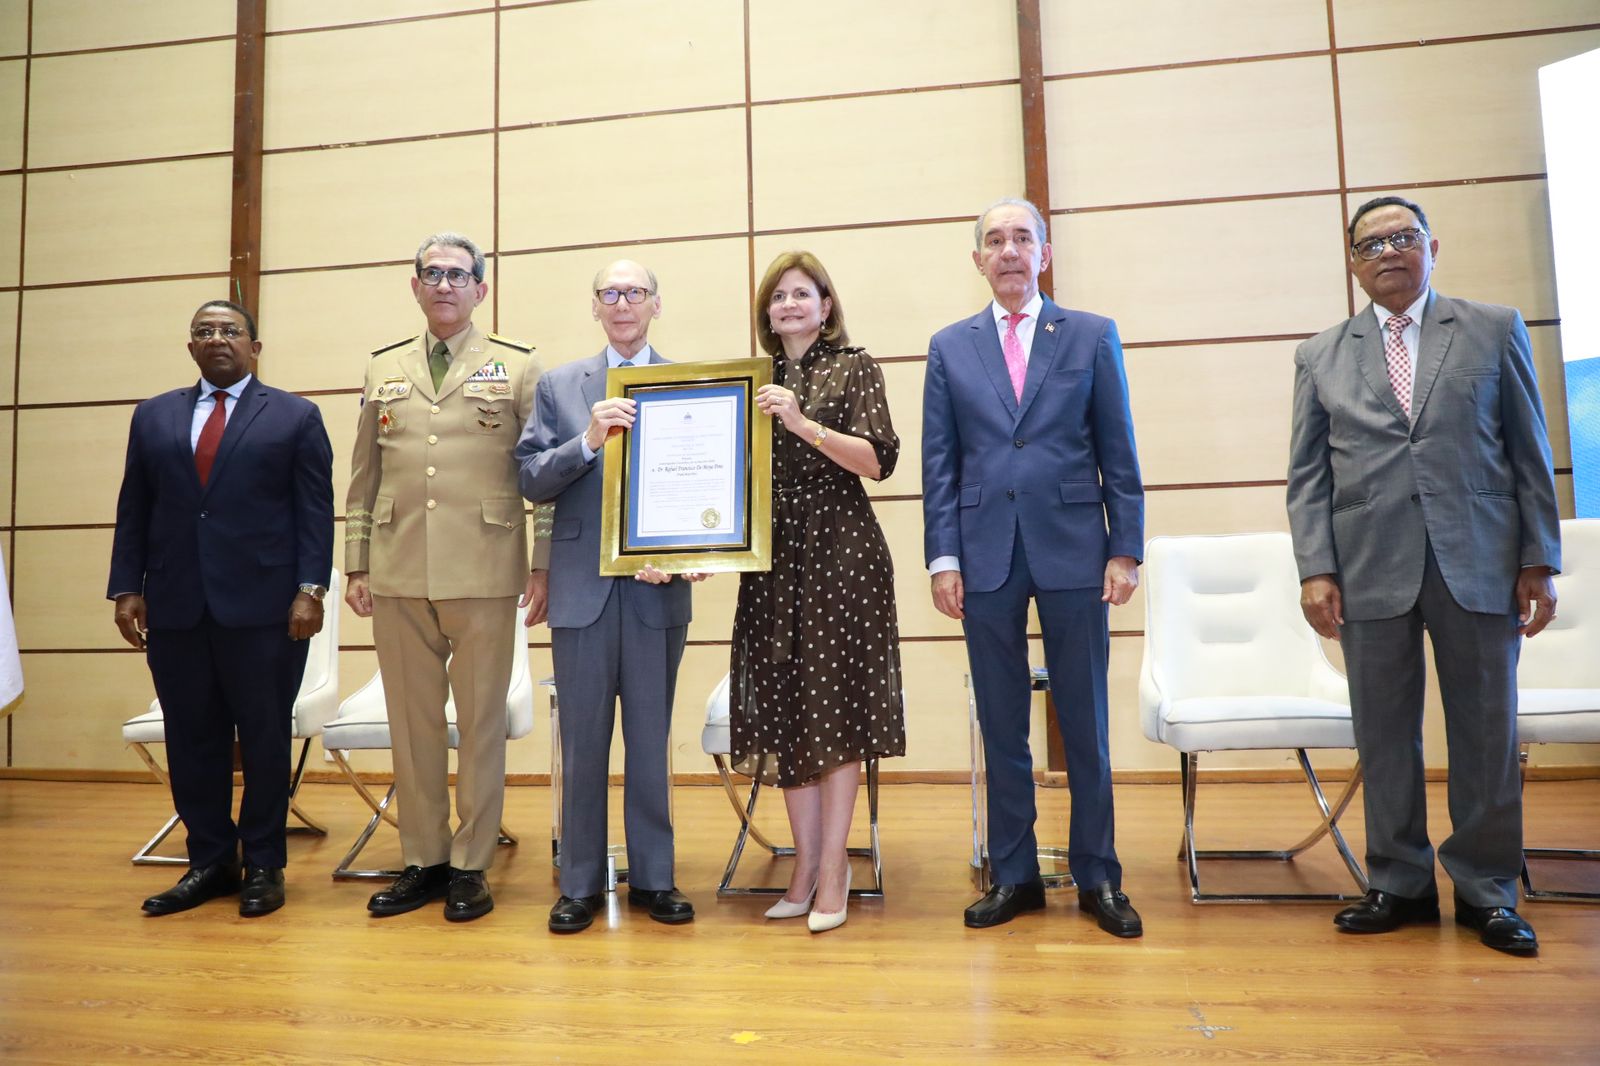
(610, 637)
(1421, 494)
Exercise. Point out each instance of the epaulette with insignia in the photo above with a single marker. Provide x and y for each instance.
(392, 347)
(509, 343)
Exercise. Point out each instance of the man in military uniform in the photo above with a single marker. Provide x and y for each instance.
(436, 554)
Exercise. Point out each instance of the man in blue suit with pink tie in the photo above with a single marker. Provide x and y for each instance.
(1031, 489)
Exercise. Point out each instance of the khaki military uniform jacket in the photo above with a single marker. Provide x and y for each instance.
(433, 510)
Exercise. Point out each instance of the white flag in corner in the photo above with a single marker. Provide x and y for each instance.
(10, 660)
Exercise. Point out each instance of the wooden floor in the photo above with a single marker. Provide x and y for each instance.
(85, 978)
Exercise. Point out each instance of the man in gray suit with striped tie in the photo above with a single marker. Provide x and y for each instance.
(1421, 494)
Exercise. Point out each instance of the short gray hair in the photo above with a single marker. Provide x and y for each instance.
(448, 239)
(1042, 231)
(655, 287)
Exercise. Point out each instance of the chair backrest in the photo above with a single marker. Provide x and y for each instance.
(1222, 618)
(317, 703)
(1567, 653)
(717, 708)
(519, 697)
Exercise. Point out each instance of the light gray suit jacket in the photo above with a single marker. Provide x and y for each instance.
(550, 458)
(1470, 473)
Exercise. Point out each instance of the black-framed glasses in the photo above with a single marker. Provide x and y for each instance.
(1402, 241)
(457, 277)
(635, 295)
(205, 333)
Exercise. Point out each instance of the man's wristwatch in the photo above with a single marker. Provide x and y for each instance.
(316, 592)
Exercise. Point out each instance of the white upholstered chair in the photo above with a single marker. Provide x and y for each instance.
(363, 725)
(313, 708)
(1230, 664)
(717, 741)
(1558, 677)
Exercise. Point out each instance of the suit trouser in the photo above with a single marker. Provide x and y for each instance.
(616, 656)
(216, 682)
(1476, 657)
(426, 650)
(1077, 640)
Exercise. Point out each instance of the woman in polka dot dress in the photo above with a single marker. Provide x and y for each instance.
(815, 683)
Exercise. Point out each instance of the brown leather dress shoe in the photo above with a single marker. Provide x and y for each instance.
(468, 896)
(1501, 928)
(1111, 910)
(201, 883)
(262, 892)
(667, 905)
(1384, 912)
(415, 887)
(574, 915)
(1004, 902)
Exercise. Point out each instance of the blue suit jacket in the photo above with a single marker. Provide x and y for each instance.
(552, 468)
(1060, 467)
(242, 545)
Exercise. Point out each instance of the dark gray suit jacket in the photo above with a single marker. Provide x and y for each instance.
(1469, 473)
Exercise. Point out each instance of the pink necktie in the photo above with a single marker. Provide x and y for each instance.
(1394, 350)
(1011, 344)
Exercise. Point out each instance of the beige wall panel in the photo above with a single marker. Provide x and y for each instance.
(901, 521)
(904, 384)
(14, 27)
(1552, 390)
(889, 44)
(10, 226)
(131, 221)
(111, 106)
(562, 185)
(13, 98)
(567, 61)
(1494, 82)
(1111, 34)
(880, 162)
(1494, 243)
(545, 299)
(151, 321)
(1214, 412)
(889, 311)
(347, 85)
(715, 599)
(91, 443)
(701, 670)
(9, 309)
(303, 14)
(1190, 133)
(73, 714)
(61, 590)
(1177, 273)
(318, 329)
(66, 25)
(1565, 498)
(1359, 22)
(339, 414)
(370, 205)
(6, 419)
(1210, 512)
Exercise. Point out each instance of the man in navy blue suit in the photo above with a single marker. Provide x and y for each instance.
(1031, 489)
(221, 557)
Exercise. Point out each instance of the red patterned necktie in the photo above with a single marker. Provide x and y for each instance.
(1016, 363)
(1394, 350)
(205, 449)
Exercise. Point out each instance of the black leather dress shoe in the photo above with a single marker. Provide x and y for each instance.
(1004, 902)
(666, 905)
(1501, 928)
(194, 888)
(468, 896)
(415, 887)
(571, 915)
(262, 892)
(1384, 912)
(1111, 909)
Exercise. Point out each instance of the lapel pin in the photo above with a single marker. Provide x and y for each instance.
(1049, 327)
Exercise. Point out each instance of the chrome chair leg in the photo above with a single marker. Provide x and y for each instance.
(1562, 854)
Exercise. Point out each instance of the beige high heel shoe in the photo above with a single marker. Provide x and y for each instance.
(784, 909)
(822, 921)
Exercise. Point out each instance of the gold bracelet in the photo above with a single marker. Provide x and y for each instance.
(822, 435)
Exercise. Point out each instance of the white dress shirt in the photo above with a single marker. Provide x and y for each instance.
(208, 401)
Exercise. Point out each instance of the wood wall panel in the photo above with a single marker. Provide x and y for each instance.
(116, 106)
(890, 44)
(284, 15)
(339, 415)
(10, 308)
(1365, 22)
(680, 175)
(365, 91)
(60, 590)
(1232, 130)
(618, 57)
(7, 419)
(373, 204)
(1082, 35)
(14, 27)
(318, 329)
(65, 25)
(76, 707)
(148, 220)
(10, 226)
(837, 162)
(13, 76)
(70, 463)
(1471, 109)
(148, 357)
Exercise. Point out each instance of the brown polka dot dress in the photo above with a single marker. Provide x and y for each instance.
(815, 679)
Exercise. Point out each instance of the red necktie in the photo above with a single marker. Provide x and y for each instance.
(1016, 363)
(1394, 350)
(205, 449)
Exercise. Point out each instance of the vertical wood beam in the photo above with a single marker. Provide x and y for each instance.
(1035, 154)
(249, 79)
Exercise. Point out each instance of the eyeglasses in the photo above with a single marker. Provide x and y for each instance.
(1403, 241)
(634, 295)
(457, 277)
(205, 333)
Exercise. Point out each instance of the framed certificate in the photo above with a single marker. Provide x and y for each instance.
(689, 487)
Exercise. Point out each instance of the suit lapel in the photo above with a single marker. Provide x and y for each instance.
(1367, 339)
(594, 380)
(183, 428)
(245, 409)
(1047, 335)
(1438, 329)
(991, 357)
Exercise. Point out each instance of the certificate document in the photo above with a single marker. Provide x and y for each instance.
(688, 468)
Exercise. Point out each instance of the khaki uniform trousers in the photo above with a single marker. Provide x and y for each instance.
(415, 638)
